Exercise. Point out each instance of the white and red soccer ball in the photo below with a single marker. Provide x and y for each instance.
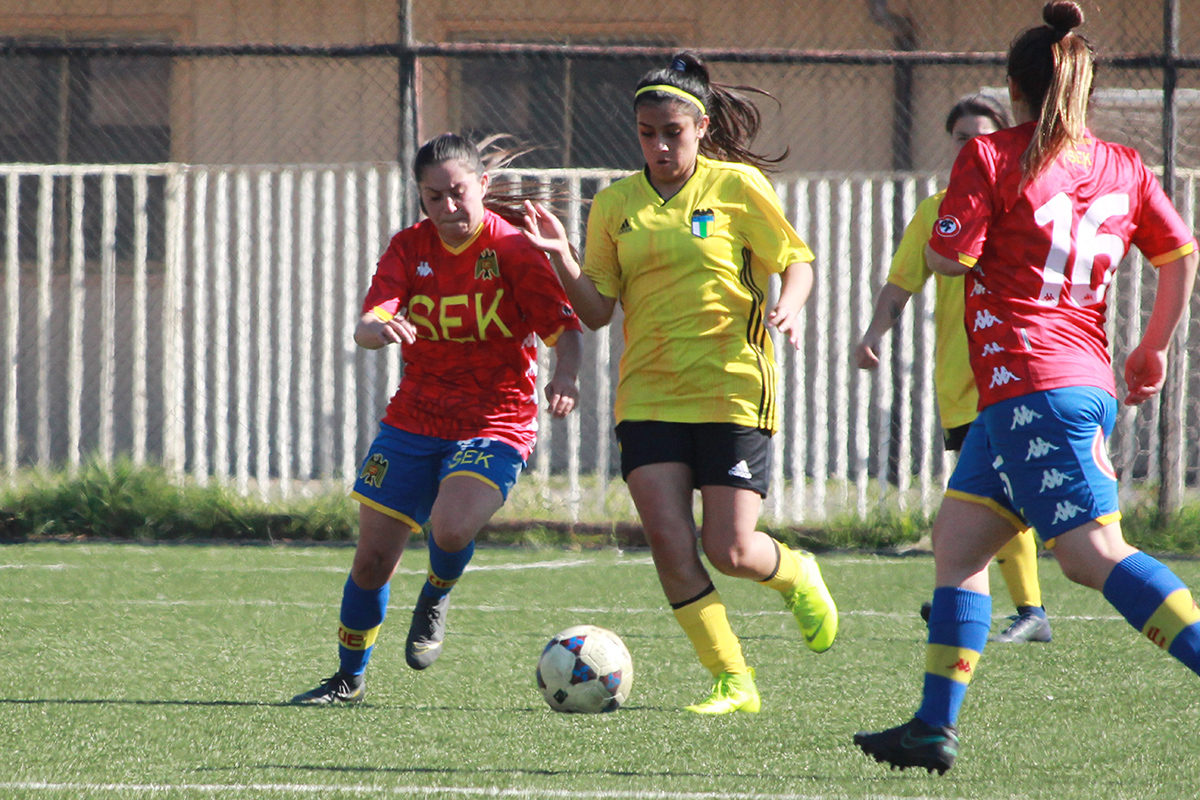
(585, 669)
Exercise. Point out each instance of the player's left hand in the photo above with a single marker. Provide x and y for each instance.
(561, 395)
(786, 320)
(1145, 372)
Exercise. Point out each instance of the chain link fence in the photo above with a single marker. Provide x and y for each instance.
(237, 110)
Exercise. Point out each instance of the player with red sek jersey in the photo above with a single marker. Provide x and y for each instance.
(471, 370)
(1038, 217)
(1042, 254)
(466, 296)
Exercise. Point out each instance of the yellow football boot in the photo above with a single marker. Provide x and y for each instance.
(730, 693)
(812, 605)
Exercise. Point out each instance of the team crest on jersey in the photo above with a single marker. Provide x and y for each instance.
(625, 227)
(486, 266)
(704, 223)
(947, 226)
(374, 471)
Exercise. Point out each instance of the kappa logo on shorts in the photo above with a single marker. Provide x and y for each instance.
(374, 471)
(741, 470)
(1038, 448)
(424, 270)
(991, 348)
(487, 266)
(947, 226)
(1052, 479)
(704, 223)
(1022, 416)
(1066, 510)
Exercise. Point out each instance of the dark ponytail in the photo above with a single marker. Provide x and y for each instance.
(733, 121)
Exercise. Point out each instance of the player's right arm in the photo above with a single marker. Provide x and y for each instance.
(374, 332)
(546, 232)
(383, 319)
(906, 277)
(889, 305)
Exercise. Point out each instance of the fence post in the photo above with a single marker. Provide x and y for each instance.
(1170, 409)
(406, 145)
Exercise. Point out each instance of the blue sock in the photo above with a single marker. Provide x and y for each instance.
(362, 614)
(958, 630)
(445, 569)
(1154, 601)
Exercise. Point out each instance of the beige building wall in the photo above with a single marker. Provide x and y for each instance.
(297, 109)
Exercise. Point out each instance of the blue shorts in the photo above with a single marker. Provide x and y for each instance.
(1041, 459)
(402, 471)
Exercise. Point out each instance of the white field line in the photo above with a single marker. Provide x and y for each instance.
(529, 609)
(624, 562)
(415, 791)
(639, 561)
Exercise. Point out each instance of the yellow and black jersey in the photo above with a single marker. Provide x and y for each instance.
(692, 275)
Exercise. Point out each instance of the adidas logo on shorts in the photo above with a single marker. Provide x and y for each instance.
(741, 470)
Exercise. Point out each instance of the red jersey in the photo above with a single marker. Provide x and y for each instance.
(477, 308)
(1043, 254)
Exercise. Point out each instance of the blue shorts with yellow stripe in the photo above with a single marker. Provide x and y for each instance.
(402, 471)
(1041, 459)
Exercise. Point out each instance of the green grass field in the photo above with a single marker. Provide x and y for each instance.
(162, 672)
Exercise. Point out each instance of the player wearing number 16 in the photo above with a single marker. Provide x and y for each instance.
(1038, 217)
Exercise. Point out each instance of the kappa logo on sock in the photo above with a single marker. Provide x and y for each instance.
(741, 470)
(438, 583)
(962, 665)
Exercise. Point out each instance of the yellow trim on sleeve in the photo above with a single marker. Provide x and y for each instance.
(552, 338)
(967, 261)
(390, 512)
(382, 314)
(1179, 252)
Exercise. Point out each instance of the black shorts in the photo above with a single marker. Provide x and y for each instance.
(953, 437)
(719, 453)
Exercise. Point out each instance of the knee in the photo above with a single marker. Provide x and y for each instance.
(728, 559)
(1081, 573)
(451, 534)
(372, 569)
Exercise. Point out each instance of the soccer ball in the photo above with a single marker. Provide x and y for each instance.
(585, 669)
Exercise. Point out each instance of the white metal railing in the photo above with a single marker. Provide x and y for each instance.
(201, 317)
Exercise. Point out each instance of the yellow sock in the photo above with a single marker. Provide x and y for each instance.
(787, 574)
(1018, 564)
(706, 624)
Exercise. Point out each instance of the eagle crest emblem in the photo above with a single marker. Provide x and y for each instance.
(486, 266)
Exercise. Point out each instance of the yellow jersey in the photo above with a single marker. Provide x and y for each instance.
(958, 399)
(692, 276)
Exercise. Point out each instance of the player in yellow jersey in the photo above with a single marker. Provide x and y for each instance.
(688, 246)
(958, 400)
